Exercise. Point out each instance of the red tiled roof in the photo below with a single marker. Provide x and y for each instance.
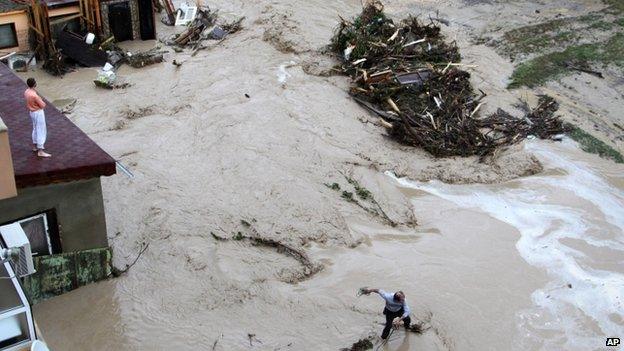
(74, 155)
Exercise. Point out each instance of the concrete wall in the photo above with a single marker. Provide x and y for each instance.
(79, 210)
(7, 178)
(20, 19)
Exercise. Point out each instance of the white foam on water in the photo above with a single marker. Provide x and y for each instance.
(563, 317)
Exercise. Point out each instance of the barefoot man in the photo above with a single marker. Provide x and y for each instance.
(35, 105)
(396, 309)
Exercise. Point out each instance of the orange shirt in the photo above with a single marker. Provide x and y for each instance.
(33, 101)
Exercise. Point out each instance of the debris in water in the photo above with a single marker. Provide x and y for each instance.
(409, 75)
(204, 26)
(360, 345)
(145, 58)
(309, 268)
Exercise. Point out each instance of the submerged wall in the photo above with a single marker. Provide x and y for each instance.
(58, 274)
(79, 209)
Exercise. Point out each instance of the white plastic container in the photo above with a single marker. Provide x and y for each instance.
(90, 38)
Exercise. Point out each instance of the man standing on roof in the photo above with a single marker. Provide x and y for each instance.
(396, 309)
(35, 106)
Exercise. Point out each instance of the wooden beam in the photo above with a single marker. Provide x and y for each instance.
(64, 19)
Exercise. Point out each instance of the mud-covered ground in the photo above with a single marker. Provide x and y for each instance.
(213, 167)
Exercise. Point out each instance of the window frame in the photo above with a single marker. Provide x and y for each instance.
(53, 232)
(12, 24)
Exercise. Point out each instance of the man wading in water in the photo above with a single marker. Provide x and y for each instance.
(396, 309)
(35, 106)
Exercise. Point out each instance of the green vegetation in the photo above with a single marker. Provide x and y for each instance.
(238, 236)
(362, 192)
(592, 145)
(536, 38)
(565, 34)
(537, 71)
(602, 25)
(347, 195)
(615, 6)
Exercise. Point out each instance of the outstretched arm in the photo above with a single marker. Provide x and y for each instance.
(377, 291)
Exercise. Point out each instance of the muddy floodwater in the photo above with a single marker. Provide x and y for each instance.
(254, 137)
(530, 264)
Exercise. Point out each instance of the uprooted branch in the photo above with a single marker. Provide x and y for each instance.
(116, 272)
(309, 268)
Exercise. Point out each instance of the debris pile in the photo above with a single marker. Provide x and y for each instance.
(107, 78)
(144, 58)
(410, 76)
(204, 26)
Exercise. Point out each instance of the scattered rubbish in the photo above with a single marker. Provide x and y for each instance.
(203, 26)
(409, 76)
(89, 38)
(176, 63)
(145, 58)
(217, 33)
(282, 73)
(252, 338)
(185, 15)
(234, 26)
(106, 79)
(203, 19)
(170, 12)
(419, 77)
(360, 345)
(247, 95)
(65, 105)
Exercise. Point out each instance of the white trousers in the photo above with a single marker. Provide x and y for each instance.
(39, 132)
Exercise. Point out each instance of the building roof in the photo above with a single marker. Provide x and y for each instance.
(10, 6)
(74, 155)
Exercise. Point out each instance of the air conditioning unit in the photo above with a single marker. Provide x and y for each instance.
(17, 249)
(19, 61)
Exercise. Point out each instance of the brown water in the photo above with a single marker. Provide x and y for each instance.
(488, 268)
(206, 157)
